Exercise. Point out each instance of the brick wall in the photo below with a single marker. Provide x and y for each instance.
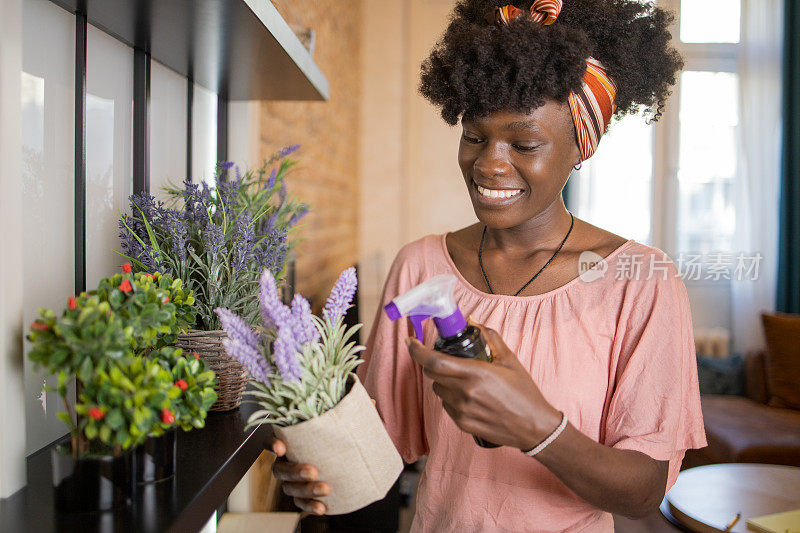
(327, 173)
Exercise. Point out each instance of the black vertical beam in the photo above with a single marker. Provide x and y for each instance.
(222, 128)
(141, 121)
(80, 152)
(189, 105)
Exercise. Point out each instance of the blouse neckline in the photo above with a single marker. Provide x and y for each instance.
(509, 297)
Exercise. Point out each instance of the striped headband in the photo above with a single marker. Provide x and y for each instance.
(593, 105)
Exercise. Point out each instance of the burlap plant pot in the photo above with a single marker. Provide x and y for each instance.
(351, 449)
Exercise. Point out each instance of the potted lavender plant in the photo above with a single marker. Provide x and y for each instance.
(303, 380)
(217, 239)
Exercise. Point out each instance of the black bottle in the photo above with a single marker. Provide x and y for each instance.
(434, 299)
(470, 344)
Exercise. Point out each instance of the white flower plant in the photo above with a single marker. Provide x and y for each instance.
(299, 363)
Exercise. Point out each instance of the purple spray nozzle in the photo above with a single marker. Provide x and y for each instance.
(391, 311)
(431, 299)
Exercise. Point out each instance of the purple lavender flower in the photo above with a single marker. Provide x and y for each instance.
(271, 222)
(251, 358)
(130, 245)
(242, 254)
(196, 201)
(143, 253)
(213, 238)
(273, 312)
(236, 328)
(282, 192)
(271, 180)
(227, 191)
(297, 216)
(341, 295)
(225, 165)
(288, 150)
(303, 327)
(271, 255)
(143, 204)
(178, 231)
(285, 352)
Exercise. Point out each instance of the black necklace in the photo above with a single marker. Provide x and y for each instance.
(483, 271)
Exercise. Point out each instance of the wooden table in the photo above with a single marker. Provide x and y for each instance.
(707, 498)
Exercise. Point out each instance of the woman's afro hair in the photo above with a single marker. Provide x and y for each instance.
(478, 68)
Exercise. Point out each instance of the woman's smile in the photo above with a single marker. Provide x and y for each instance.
(496, 196)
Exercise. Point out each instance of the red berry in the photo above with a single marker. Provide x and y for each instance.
(96, 413)
(39, 326)
(181, 384)
(126, 286)
(72, 303)
(126, 268)
(165, 300)
(166, 416)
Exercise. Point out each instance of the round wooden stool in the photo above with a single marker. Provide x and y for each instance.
(706, 499)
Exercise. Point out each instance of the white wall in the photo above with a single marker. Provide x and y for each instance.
(167, 129)
(109, 150)
(244, 130)
(12, 411)
(204, 134)
(48, 177)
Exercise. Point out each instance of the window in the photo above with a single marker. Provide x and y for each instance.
(696, 14)
(614, 187)
(670, 184)
(706, 161)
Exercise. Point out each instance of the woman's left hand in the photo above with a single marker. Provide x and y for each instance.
(496, 401)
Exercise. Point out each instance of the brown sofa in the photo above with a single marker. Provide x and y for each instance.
(745, 429)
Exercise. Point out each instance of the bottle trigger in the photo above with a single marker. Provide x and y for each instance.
(416, 321)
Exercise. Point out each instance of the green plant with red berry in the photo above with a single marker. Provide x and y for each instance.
(155, 306)
(113, 341)
(121, 405)
(195, 380)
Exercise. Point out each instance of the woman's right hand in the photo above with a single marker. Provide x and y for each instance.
(299, 481)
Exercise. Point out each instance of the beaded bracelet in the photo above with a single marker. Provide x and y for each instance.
(556, 432)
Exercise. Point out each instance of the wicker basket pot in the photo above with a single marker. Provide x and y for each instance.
(351, 449)
(231, 375)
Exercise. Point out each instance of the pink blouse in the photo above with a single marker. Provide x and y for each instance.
(615, 353)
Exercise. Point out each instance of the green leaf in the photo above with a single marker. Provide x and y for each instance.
(105, 434)
(114, 419)
(85, 370)
(64, 417)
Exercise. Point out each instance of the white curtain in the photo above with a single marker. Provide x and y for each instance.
(757, 189)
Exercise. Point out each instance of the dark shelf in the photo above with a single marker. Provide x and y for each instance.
(240, 49)
(211, 461)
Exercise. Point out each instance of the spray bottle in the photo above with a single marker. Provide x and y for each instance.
(434, 299)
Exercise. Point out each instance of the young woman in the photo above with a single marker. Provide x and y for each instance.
(592, 391)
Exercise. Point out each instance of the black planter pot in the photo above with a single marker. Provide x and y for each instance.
(94, 483)
(155, 459)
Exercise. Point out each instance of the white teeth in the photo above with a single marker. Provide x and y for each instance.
(497, 193)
